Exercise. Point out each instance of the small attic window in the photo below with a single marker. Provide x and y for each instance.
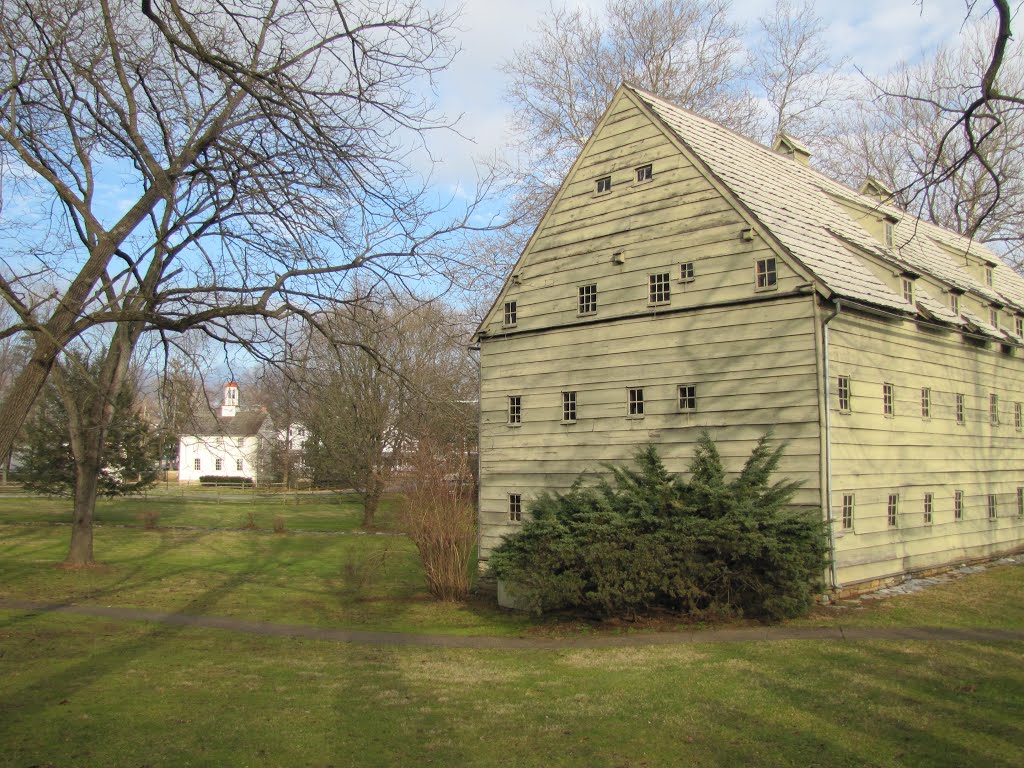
(889, 230)
(604, 184)
(1018, 325)
(993, 317)
(510, 313)
(954, 304)
(644, 173)
(988, 276)
(765, 274)
(908, 291)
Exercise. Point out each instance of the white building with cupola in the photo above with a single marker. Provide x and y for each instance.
(230, 441)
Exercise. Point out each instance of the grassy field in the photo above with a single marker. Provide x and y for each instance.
(81, 691)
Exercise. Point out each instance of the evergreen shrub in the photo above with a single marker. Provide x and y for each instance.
(648, 541)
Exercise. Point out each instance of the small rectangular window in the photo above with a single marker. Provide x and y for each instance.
(847, 511)
(892, 509)
(992, 511)
(645, 173)
(765, 273)
(687, 398)
(1020, 502)
(238, 465)
(887, 400)
(926, 402)
(993, 318)
(844, 394)
(686, 272)
(958, 505)
(635, 401)
(515, 409)
(888, 234)
(587, 299)
(515, 507)
(198, 464)
(568, 406)
(1018, 326)
(954, 304)
(659, 291)
(993, 409)
(218, 464)
(928, 502)
(604, 184)
(908, 290)
(1018, 416)
(510, 313)
(989, 277)
(960, 415)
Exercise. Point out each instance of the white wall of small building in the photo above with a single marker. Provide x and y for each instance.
(237, 455)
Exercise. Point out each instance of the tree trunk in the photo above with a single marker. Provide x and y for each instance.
(86, 481)
(371, 500)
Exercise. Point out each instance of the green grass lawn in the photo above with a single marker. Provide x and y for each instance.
(82, 691)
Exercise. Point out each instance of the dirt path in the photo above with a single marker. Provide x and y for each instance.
(738, 635)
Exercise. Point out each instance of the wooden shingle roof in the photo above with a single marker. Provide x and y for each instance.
(804, 211)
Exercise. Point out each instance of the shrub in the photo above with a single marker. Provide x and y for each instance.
(646, 540)
(439, 514)
(226, 480)
(249, 520)
(279, 524)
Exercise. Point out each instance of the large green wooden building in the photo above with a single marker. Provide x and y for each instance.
(685, 277)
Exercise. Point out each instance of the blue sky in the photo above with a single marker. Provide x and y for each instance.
(874, 34)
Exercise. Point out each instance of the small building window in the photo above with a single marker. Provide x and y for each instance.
(686, 272)
(844, 394)
(635, 401)
(993, 409)
(238, 464)
(954, 304)
(958, 505)
(1018, 416)
(515, 507)
(892, 509)
(644, 173)
(889, 230)
(992, 510)
(568, 406)
(197, 464)
(765, 273)
(926, 402)
(659, 292)
(218, 464)
(887, 400)
(515, 409)
(847, 511)
(587, 303)
(960, 416)
(1020, 501)
(989, 278)
(1018, 326)
(908, 290)
(993, 318)
(687, 398)
(604, 184)
(928, 502)
(510, 313)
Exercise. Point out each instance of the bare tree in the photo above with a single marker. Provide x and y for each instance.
(794, 68)
(265, 145)
(909, 131)
(684, 50)
(404, 375)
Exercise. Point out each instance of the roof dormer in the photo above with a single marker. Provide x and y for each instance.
(787, 146)
(876, 190)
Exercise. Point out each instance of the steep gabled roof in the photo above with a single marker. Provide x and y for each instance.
(803, 209)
